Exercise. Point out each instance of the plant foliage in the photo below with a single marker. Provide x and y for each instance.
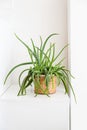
(43, 64)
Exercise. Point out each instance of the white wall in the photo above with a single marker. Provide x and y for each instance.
(79, 63)
(29, 18)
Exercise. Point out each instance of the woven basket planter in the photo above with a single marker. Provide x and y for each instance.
(42, 88)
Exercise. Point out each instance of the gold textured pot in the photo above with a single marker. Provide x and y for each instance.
(42, 88)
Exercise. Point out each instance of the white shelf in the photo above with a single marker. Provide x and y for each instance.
(34, 113)
(11, 94)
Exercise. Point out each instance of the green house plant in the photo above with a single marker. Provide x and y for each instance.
(42, 71)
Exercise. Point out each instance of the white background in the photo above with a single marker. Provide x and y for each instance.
(78, 17)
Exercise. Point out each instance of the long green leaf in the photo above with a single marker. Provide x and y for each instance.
(29, 50)
(21, 75)
(22, 86)
(65, 86)
(51, 46)
(60, 53)
(48, 51)
(72, 91)
(68, 71)
(22, 41)
(68, 80)
(31, 56)
(33, 45)
(48, 39)
(60, 62)
(43, 47)
(52, 56)
(27, 63)
(29, 83)
(43, 54)
(58, 79)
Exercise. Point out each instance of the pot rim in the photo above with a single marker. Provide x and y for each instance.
(42, 75)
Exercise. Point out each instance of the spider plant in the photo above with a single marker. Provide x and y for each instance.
(42, 63)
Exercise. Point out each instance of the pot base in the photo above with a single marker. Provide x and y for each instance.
(41, 93)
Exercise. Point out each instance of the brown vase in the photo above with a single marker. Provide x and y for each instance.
(43, 89)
